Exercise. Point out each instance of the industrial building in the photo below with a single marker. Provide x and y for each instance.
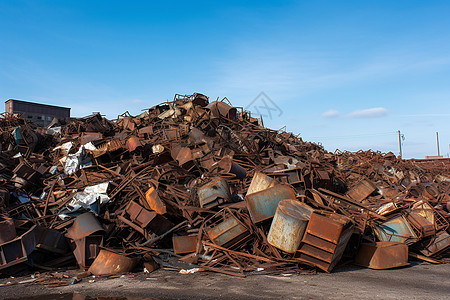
(40, 114)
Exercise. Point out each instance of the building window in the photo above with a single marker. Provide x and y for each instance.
(30, 117)
(49, 118)
(39, 117)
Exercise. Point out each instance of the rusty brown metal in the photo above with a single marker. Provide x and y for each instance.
(226, 229)
(190, 168)
(325, 239)
(260, 182)
(7, 231)
(154, 201)
(110, 263)
(148, 219)
(84, 225)
(185, 244)
(382, 255)
(133, 142)
(438, 244)
(361, 190)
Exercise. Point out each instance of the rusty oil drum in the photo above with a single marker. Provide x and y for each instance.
(289, 224)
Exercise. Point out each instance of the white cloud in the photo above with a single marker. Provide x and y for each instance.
(332, 113)
(375, 112)
(137, 101)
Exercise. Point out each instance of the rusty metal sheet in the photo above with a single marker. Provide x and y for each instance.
(83, 226)
(50, 240)
(421, 224)
(362, 190)
(382, 255)
(145, 132)
(263, 204)
(221, 109)
(328, 227)
(148, 219)
(87, 137)
(184, 244)
(110, 263)
(154, 201)
(133, 142)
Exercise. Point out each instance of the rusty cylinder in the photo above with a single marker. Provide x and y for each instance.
(288, 225)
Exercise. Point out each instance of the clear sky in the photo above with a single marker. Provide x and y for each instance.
(347, 74)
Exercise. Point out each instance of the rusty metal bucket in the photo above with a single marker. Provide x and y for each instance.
(382, 255)
(109, 263)
(288, 225)
(260, 182)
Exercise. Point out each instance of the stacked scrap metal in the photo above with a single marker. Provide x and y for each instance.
(205, 183)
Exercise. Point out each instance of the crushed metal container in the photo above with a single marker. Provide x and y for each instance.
(260, 182)
(221, 109)
(86, 249)
(325, 239)
(226, 230)
(263, 204)
(396, 229)
(438, 244)
(214, 193)
(7, 231)
(16, 251)
(86, 235)
(50, 240)
(289, 224)
(423, 227)
(382, 255)
(147, 219)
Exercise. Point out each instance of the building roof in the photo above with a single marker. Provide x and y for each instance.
(34, 103)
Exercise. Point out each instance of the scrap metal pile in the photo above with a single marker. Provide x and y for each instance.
(205, 183)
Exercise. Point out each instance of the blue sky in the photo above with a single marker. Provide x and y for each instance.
(348, 74)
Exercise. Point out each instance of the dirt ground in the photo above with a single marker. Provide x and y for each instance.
(419, 281)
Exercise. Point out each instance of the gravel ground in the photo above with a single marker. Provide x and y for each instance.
(419, 281)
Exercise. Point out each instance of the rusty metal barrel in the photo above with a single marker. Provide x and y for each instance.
(289, 224)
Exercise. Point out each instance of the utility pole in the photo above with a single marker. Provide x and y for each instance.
(437, 142)
(400, 144)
